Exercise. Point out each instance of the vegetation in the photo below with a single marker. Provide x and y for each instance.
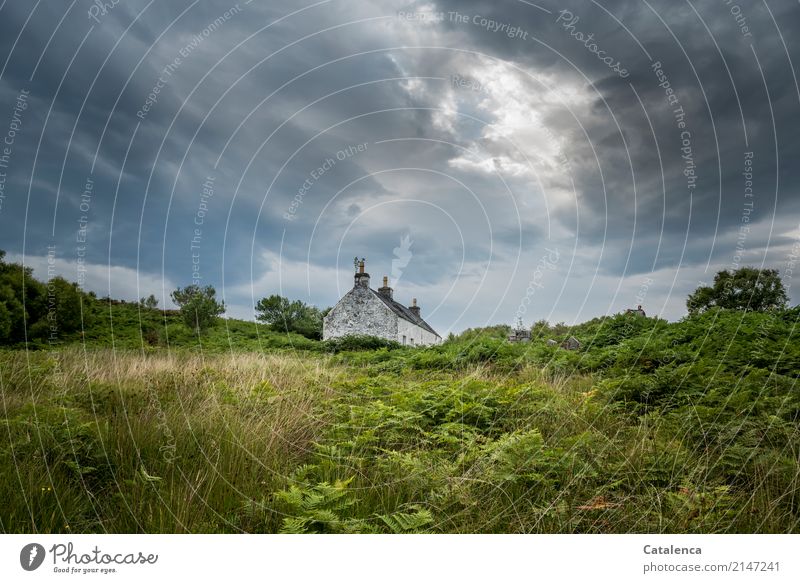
(283, 314)
(140, 425)
(198, 306)
(30, 309)
(747, 288)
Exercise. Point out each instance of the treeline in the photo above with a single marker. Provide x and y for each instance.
(31, 309)
(60, 311)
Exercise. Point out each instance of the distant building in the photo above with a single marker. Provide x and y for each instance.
(520, 333)
(571, 343)
(369, 312)
(637, 312)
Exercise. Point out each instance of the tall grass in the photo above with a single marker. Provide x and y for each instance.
(159, 441)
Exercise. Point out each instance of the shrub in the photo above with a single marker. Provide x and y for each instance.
(359, 342)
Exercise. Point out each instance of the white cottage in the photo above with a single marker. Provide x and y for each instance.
(365, 311)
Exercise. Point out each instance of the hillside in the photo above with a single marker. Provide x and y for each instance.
(125, 325)
(650, 427)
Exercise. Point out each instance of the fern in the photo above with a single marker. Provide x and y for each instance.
(402, 522)
(319, 508)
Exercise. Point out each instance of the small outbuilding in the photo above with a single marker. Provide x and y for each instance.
(520, 333)
(637, 312)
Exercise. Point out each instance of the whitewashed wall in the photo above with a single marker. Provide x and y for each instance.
(360, 312)
(411, 331)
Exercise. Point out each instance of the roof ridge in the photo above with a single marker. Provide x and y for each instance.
(404, 312)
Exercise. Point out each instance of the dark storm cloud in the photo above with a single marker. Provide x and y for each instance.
(265, 119)
(707, 82)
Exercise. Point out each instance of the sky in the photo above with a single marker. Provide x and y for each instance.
(496, 160)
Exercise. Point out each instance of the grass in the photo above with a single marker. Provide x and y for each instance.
(462, 438)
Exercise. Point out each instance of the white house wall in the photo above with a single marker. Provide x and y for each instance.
(420, 336)
(360, 312)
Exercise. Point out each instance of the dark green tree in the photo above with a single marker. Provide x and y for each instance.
(5, 322)
(746, 289)
(150, 302)
(199, 306)
(290, 316)
(67, 309)
(22, 296)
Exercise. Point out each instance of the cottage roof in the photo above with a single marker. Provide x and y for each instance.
(404, 312)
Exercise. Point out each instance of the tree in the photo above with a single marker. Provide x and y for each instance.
(5, 323)
(150, 302)
(291, 316)
(199, 306)
(23, 297)
(746, 289)
(67, 305)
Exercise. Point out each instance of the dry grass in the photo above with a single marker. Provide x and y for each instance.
(173, 432)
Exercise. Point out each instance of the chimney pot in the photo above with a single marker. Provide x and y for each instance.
(385, 290)
(361, 277)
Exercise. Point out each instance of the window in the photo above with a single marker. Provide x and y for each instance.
(404, 339)
(412, 342)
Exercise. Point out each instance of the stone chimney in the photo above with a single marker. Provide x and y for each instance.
(385, 290)
(414, 308)
(361, 277)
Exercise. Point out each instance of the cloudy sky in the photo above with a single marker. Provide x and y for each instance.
(495, 159)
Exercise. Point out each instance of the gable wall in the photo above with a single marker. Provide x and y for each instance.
(360, 312)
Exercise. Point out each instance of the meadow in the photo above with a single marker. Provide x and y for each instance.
(688, 427)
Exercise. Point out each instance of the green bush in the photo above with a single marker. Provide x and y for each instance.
(358, 342)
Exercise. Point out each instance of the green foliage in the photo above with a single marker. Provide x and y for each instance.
(747, 288)
(651, 426)
(32, 310)
(358, 342)
(290, 316)
(318, 508)
(150, 302)
(408, 522)
(198, 306)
